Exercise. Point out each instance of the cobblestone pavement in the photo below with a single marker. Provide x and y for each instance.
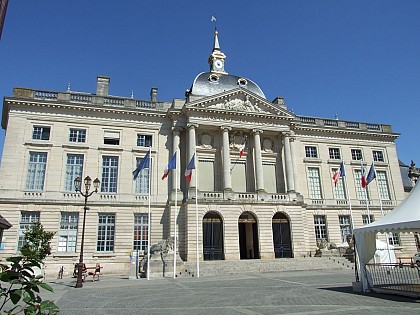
(302, 292)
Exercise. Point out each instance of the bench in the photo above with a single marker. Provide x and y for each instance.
(90, 273)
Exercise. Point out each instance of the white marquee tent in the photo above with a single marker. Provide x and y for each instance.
(403, 218)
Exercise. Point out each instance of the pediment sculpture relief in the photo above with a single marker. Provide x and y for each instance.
(238, 105)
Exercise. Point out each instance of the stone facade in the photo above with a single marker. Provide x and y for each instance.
(273, 200)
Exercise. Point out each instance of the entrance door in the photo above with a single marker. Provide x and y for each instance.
(248, 236)
(213, 237)
(281, 236)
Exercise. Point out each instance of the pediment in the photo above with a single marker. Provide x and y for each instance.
(238, 101)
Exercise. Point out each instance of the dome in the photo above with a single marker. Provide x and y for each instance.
(209, 83)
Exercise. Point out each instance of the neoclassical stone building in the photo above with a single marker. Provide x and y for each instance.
(272, 200)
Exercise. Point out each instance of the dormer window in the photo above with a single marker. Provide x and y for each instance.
(242, 82)
(214, 78)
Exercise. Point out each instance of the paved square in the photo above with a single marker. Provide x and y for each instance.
(299, 292)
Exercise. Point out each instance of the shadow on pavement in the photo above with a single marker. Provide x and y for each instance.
(390, 297)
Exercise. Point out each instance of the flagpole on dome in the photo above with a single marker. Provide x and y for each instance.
(149, 218)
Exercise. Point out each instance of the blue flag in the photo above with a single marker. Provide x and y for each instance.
(144, 163)
(371, 175)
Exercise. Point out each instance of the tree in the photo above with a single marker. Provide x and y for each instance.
(19, 286)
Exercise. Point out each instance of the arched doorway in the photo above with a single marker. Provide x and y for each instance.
(281, 236)
(248, 236)
(213, 237)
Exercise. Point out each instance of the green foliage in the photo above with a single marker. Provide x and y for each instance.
(37, 242)
(19, 287)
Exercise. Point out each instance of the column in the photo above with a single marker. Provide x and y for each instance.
(292, 157)
(258, 160)
(191, 148)
(175, 146)
(227, 177)
(289, 164)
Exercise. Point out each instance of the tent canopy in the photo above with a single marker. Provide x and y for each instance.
(403, 218)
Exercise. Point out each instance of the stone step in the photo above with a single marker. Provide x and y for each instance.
(223, 267)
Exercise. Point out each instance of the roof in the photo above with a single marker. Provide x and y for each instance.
(208, 84)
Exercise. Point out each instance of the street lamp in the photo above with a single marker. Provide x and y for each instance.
(77, 184)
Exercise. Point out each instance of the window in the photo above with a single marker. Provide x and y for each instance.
(106, 233)
(339, 192)
(311, 152)
(356, 154)
(144, 140)
(314, 183)
(141, 225)
(142, 180)
(67, 240)
(361, 192)
(36, 171)
(206, 178)
(383, 185)
(334, 153)
(77, 135)
(394, 239)
(112, 137)
(41, 133)
(378, 156)
(320, 227)
(367, 219)
(269, 175)
(74, 168)
(109, 174)
(27, 219)
(345, 227)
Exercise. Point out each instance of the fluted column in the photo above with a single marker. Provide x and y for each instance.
(227, 177)
(175, 146)
(290, 180)
(191, 147)
(258, 160)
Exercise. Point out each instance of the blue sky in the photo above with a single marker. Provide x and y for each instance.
(357, 59)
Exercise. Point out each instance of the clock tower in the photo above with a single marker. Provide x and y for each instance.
(217, 57)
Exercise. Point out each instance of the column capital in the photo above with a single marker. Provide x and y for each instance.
(192, 126)
(223, 128)
(289, 134)
(176, 130)
(257, 131)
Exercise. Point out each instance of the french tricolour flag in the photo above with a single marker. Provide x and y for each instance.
(190, 167)
(171, 166)
(339, 173)
(364, 183)
(241, 150)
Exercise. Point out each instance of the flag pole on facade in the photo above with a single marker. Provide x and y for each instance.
(172, 165)
(188, 174)
(145, 164)
(370, 177)
(149, 218)
(341, 173)
(364, 186)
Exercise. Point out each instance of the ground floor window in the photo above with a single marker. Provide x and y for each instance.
(27, 219)
(141, 226)
(67, 239)
(106, 233)
(394, 239)
(320, 227)
(345, 227)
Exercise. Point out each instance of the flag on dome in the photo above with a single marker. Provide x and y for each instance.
(213, 18)
(190, 167)
(339, 173)
(171, 166)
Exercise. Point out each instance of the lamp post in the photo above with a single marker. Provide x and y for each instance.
(77, 184)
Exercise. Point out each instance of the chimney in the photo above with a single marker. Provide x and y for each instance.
(102, 86)
(153, 94)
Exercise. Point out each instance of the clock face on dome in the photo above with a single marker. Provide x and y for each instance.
(218, 64)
